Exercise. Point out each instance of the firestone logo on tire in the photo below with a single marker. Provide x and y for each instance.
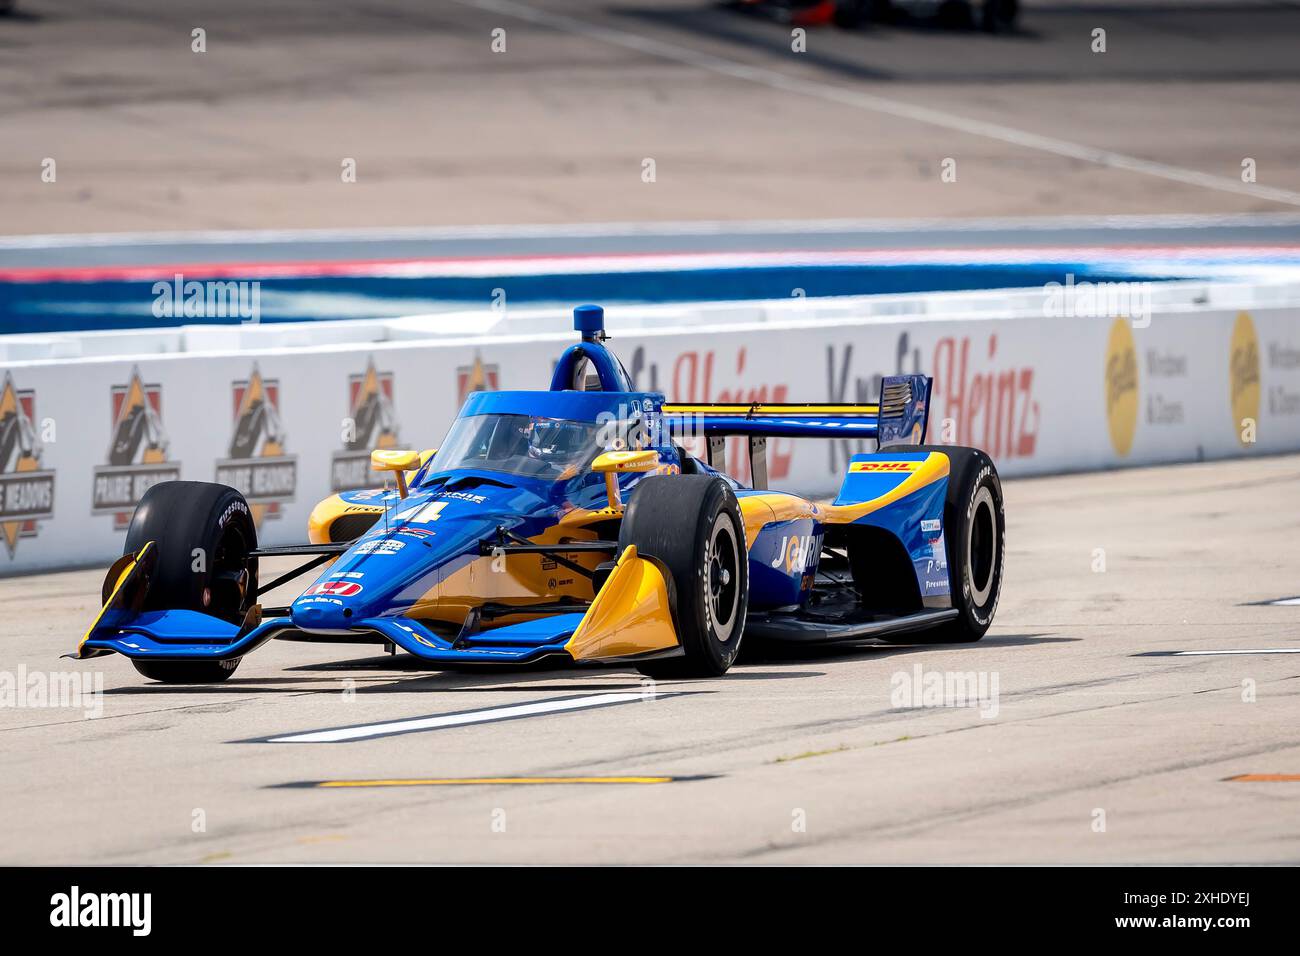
(26, 490)
(258, 465)
(372, 420)
(137, 451)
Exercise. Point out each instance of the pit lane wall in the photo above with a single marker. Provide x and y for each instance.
(1211, 375)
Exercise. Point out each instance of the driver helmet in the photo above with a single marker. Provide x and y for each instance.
(555, 441)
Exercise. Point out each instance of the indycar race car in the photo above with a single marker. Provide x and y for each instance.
(572, 524)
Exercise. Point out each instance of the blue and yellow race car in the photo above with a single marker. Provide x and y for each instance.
(573, 524)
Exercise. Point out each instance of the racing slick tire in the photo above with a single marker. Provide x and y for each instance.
(204, 534)
(692, 525)
(975, 541)
(187, 672)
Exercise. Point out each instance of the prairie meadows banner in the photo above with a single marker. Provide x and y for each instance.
(82, 439)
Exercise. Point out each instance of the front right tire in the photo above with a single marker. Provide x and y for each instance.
(974, 532)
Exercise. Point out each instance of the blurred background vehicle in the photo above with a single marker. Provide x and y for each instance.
(990, 15)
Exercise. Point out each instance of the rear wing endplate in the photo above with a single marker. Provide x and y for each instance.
(904, 410)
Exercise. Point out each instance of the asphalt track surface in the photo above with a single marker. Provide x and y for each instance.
(1107, 744)
(148, 135)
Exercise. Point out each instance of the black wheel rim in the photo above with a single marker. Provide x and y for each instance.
(228, 592)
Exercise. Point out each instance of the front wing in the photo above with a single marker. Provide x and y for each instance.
(631, 618)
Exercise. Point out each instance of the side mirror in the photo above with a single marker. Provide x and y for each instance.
(613, 463)
(399, 460)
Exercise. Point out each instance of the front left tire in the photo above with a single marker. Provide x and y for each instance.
(204, 534)
(187, 672)
(692, 525)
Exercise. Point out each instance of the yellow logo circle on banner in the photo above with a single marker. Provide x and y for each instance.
(1121, 386)
(1243, 378)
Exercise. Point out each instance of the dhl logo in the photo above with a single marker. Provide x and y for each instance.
(884, 466)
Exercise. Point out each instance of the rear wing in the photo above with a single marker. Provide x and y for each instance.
(900, 417)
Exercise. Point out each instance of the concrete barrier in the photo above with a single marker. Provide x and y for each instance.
(289, 413)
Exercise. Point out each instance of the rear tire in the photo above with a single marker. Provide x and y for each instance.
(692, 525)
(204, 533)
(974, 532)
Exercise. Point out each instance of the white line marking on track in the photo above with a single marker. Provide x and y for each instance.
(1267, 650)
(879, 104)
(439, 721)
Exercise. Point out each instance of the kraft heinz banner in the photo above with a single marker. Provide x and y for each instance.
(81, 440)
